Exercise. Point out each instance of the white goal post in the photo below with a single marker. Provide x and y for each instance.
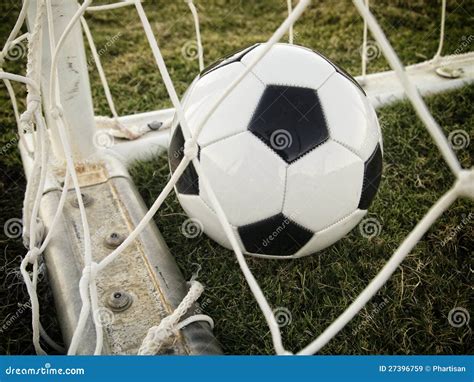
(76, 166)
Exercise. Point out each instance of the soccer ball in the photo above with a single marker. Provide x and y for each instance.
(294, 153)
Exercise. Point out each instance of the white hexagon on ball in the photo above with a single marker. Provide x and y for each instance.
(247, 178)
(331, 178)
(208, 89)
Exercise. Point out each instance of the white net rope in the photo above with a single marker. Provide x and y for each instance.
(32, 120)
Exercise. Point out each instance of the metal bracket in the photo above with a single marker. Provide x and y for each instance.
(145, 272)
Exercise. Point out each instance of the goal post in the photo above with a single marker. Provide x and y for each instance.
(73, 79)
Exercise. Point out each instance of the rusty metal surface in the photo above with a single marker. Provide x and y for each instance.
(129, 272)
(145, 271)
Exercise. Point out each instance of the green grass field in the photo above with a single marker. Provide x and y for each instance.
(410, 313)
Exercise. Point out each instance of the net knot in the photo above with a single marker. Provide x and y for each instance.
(33, 102)
(32, 255)
(33, 99)
(158, 335)
(465, 183)
(191, 149)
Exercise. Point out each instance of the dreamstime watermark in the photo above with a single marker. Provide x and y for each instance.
(101, 232)
(177, 154)
(45, 370)
(459, 139)
(203, 306)
(465, 221)
(190, 50)
(283, 316)
(17, 51)
(266, 241)
(7, 146)
(372, 50)
(458, 317)
(370, 228)
(466, 41)
(103, 140)
(14, 317)
(105, 48)
(192, 228)
(377, 308)
(13, 228)
(104, 317)
(281, 139)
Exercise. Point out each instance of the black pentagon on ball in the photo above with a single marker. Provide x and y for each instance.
(277, 235)
(290, 121)
(372, 176)
(188, 183)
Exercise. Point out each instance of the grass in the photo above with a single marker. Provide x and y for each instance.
(410, 313)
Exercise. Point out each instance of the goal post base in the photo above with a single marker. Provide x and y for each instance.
(137, 290)
(384, 88)
(148, 145)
